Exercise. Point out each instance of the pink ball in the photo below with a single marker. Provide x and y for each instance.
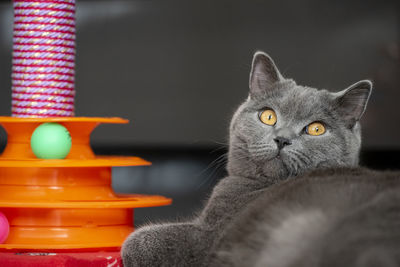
(4, 227)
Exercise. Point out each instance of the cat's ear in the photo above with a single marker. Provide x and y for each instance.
(263, 75)
(352, 102)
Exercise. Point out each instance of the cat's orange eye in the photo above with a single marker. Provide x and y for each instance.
(315, 128)
(268, 117)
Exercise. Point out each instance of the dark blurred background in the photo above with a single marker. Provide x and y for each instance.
(178, 69)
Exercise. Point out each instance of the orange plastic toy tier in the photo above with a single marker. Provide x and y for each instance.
(64, 203)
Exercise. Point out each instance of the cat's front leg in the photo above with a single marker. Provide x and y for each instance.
(180, 244)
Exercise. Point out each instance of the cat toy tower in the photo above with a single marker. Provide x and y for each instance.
(57, 203)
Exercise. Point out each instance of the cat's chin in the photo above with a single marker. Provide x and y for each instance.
(272, 164)
(275, 167)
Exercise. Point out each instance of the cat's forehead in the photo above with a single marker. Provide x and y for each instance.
(301, 98)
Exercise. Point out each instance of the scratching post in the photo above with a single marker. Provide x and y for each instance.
(43, 73)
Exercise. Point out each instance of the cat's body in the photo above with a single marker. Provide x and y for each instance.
(280, 132)
(334, 217)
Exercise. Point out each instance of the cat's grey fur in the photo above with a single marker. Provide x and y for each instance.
(233, 228)
(336, 217)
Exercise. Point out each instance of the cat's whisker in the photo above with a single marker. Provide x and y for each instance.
(291, 166)
(255, 146)
(209, 177)
(297, 163)
(301, 155)
(220, 143)
(260, 153)
(300, 158)
(236, 157)
(217, 164)
(238, 148)
(219, 149)
(240, 158)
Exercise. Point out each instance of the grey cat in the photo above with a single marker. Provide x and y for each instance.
(283, 130)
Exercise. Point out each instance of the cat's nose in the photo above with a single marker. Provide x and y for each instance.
(282, 141)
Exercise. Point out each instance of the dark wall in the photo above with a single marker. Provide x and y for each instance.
(178, 69)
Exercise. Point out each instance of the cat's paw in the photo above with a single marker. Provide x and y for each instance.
(178, 244)
(144, 247)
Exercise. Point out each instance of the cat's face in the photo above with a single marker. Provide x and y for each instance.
(284, 129)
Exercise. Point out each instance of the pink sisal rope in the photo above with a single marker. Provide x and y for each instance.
(43, 72)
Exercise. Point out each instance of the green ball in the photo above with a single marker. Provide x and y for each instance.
(51, 141)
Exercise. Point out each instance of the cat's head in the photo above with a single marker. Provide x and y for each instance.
(284, 129)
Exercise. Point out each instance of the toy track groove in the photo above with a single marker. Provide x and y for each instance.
(64, 203)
